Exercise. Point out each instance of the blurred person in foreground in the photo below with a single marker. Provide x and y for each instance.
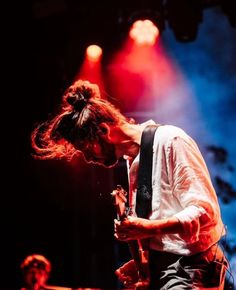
(35, 270)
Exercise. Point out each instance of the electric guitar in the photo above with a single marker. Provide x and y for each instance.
(138, 254)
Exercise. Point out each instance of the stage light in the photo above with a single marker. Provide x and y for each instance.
(184, 17)
(94, 52)
(228, 7)
(144, 32)
(146, 25)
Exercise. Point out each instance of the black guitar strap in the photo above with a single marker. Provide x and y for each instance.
(144, 188)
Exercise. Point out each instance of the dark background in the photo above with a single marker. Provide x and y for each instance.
(54, 208)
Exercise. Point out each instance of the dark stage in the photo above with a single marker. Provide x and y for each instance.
(64, 210)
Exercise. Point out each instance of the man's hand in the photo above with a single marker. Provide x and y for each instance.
(128, 274)
(133, 228)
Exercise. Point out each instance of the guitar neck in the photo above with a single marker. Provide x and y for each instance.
(119, 198)
(135, 253)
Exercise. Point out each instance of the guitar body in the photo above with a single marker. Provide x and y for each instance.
(136, 247)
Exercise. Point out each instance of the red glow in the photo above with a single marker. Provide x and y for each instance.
(94, 52)
(138, 72)
(144, 32)
(92, 72)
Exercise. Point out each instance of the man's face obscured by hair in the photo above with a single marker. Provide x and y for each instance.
(98, 152)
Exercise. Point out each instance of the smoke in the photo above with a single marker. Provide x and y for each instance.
(203, 102)
(209, 64)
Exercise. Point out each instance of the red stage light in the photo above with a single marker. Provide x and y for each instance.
(94, 52)
(144, 32)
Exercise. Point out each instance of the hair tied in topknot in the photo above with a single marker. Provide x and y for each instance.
(79, 94)
(77, 100)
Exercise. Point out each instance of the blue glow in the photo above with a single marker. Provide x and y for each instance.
(209, 66)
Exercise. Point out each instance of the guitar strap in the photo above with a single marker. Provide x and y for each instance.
(144, 187)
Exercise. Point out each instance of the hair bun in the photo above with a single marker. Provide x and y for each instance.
(78, 101)
(75, 99)
(78, 98)
(80, 93)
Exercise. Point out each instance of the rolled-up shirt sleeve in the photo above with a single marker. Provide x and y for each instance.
(192, 186)
(190, 219)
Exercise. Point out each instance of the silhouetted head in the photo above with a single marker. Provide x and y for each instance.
(77, 125)
(36, 270)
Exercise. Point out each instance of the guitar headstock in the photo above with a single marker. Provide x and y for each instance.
(119, 199)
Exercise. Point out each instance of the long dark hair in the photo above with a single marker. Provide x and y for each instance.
(82, 110)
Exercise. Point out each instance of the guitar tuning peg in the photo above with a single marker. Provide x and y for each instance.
(120, 188)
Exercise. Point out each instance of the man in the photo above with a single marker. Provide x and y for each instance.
(36, 270)
(185, 224)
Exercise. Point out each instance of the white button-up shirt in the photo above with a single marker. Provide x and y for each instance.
(182, 188)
